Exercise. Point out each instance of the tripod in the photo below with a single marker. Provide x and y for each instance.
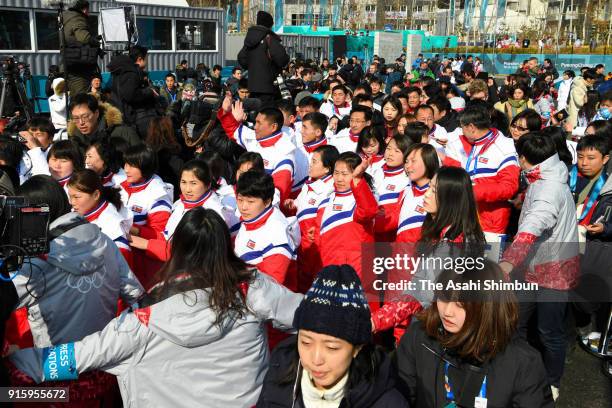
(14, 89)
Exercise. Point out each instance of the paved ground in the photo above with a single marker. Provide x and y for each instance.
(584, 384)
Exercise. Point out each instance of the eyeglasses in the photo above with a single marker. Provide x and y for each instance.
(519, 128)
(356, 121)
(83, 118)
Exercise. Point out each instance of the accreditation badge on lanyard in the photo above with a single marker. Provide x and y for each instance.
(471, 164)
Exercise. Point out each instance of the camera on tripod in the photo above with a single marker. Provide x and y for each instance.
(23, 231)
(14, 96)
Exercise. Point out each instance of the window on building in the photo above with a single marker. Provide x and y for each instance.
(15, 30)
(196, 35)
(47, 35)
(155, 34)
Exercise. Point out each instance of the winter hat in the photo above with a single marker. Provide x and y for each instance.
(265, 19)
(55, 85)
(336, 305)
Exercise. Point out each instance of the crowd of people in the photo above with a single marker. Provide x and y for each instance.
(206, 237)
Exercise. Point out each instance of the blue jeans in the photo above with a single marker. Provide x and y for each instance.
(550, 307)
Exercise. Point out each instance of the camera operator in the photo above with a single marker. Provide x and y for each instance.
(81, 48)
(131, 91)
(264, 57)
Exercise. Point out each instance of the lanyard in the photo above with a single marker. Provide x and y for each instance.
(593, 194)
(172, 96)
(449, 392)
(473, 156)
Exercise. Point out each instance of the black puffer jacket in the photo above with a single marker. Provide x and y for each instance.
(379, 393)
(264, 57)
(129, 91)
(515, 378)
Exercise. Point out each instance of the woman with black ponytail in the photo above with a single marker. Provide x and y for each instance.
(102, 206)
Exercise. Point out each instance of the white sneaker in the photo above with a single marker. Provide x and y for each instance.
(555, 392)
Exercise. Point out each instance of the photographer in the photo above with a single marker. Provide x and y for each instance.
(81, 48)
(22, 156)
(264, 57)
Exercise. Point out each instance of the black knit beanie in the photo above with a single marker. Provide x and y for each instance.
(336, 305)
(265, 19)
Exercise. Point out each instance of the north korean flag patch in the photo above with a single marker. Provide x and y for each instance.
(337, 207)
(312, 201)
(391, 187)
(251, 244)
(483, 160)
(419, 209)
(136, 209)
(266, 163)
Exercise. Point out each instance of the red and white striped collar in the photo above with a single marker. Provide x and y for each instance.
(392, 171)
(108, 179)
(63, 181)
(132, 188)
(419, 191)
(313, 183)
(95, 213)
(486, 139)
(311, 146)
(259, 220)
(344, 193)
(354, 137)
(197, 203)
(337, 108)
(269, 141)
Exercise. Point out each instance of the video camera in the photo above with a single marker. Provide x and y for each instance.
(10, 66)
(284, 91)
(23, 231)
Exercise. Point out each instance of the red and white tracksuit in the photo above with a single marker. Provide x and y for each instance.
(64, 183)
(113, 225)
(345, 220)
(114, 179)
(329, 109)
(411, 214)
(345, 141)
(303, 154)
(159, 248)
(277, 152)
(307, 203)
(492, 163)
(266, 243)
(149, 204)
(389, 183)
